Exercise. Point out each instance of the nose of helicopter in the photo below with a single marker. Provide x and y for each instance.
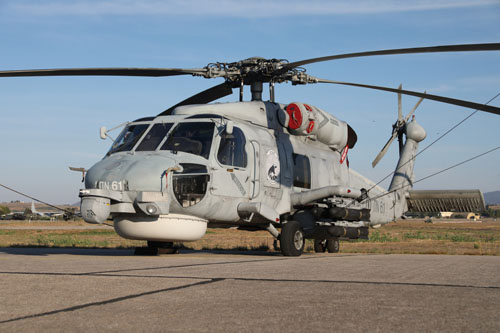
(126, 172)
(124, 178)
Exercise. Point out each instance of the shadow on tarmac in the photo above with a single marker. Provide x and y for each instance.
(45, 251)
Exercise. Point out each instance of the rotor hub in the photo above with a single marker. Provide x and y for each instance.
(257, 69)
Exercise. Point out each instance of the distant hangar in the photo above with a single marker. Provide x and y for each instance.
(422, 201)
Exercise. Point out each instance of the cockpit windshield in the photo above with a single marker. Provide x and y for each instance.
(154, 137)
(128, 138)
(191, 137)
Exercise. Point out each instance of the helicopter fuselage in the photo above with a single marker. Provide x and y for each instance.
(254, 165)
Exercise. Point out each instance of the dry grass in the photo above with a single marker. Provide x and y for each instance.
(414, 236)
(92, 238)
(470, 238)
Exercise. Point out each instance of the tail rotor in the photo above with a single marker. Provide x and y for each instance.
(398, 129)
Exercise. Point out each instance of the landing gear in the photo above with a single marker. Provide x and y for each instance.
(292, 239)
(276, 245)
(321, 245)
(156, 248)
(333, 245)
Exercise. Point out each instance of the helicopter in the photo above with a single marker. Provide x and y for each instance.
(253, 165)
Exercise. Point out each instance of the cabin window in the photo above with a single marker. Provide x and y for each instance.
(128, 138)
(232, 149)
(192, 138)
(301, 171)
(153, 138)
(191, 184)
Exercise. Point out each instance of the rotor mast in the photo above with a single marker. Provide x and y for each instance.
(256, 88)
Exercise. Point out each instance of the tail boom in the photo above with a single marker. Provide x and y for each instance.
(402, 181)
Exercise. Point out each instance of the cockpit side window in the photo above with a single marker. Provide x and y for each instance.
(232, 149)
(153, 138)
(301, 171)
(128, 138)
(190, 137)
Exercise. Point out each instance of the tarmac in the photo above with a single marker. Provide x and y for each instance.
(113, 290)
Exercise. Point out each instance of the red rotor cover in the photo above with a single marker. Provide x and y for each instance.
(293, 111)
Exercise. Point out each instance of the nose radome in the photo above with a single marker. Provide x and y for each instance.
(130, 172)
(95, 209)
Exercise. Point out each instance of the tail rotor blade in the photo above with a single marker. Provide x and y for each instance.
(384, 150)
(414, 108)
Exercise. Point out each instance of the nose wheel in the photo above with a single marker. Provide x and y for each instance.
(321, 245)
(156, 248)
(292, 239)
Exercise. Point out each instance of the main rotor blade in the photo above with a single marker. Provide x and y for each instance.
(384, 150)
(412, 50)
(148, 72)
(459, 102)
(206, 96)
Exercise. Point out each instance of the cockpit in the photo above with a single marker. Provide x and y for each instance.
(192, 136)
(128, 138)
(188, 137)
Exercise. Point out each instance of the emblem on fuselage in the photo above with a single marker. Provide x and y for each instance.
(272, 166)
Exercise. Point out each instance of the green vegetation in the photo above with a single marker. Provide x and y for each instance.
(490, 212)
(454, 236)
(4, 210)
(68, 241)
(380, 237)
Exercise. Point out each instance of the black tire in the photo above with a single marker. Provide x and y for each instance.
(161, 245)
(333, 245)
(292, 239)
(319, 245)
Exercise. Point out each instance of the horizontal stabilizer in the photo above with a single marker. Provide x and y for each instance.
(446, 201)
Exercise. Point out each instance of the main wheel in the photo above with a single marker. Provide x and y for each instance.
(157, 248)
(292, 239)
(162, 245)
(333, 245)
(319, 245)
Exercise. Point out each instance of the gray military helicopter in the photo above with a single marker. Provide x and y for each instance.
(254, 165)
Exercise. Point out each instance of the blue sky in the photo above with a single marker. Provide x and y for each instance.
(48, 124)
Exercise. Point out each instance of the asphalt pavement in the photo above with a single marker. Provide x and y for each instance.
(113, 290)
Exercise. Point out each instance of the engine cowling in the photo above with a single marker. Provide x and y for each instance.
(304, 120)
